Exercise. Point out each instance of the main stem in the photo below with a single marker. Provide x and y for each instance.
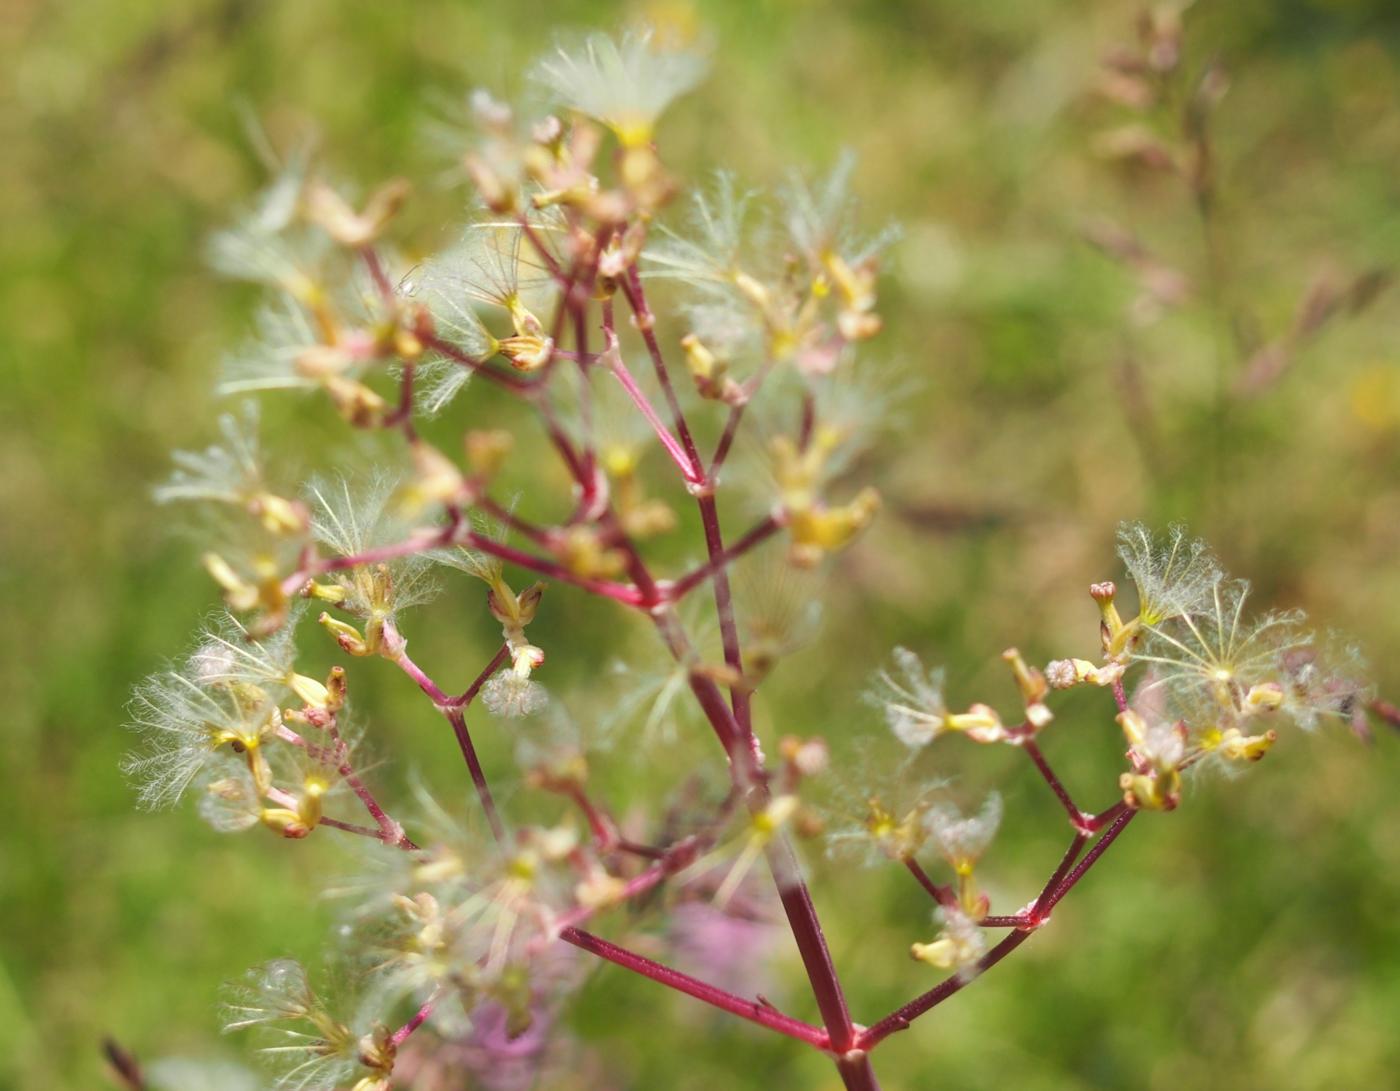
(853, 1065)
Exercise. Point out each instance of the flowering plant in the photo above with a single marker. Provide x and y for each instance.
(454, 956)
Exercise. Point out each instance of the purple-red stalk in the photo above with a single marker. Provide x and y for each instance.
(753, 1010)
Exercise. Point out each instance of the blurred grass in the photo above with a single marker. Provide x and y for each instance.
(1248, 941)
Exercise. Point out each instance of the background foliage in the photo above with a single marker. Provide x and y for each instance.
(1249, 940)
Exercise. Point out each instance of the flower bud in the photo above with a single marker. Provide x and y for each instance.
(817, 531)
(600, 890)
(809, 757)
(284, 821)
(336, 687)
(495, 192)
(1151, 792)
(346, 635)
(357, 403)
(436, 479)
(487, 450)
(279, 515)
(527, 352)
(311, 692)
(238, 593)
(335, 216)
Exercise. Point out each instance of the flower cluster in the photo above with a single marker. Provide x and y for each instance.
(468, 929)
(1215, 688)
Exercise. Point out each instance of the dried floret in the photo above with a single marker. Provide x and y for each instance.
(911, 698)
(625, 82)
(963, 838)
(184, 723)
(959, 945)
(1173, 574)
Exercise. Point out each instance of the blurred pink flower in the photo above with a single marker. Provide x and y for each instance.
(728, 948)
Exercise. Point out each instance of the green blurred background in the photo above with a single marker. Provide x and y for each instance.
(1250, 940)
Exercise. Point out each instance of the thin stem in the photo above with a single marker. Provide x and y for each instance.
(688, 464)
(856, 1074)
(390, 832)
(1388, 712)
(723, 557)
(419, 1018)
(634, 887)
(1042, 901)
(550, 261)
(402, 417)
(457, 718)
(900, 1018)
(618, 592)
(1076, 816)
(1038, 914)
(508, 381)
(1091, 857)
(414, 671)
(646, 323)
(726, 442)
(418, 542)
(1054, 892)
(636, 848)
(746, 769)
(752, 1010)
(585, 392)
(469, 694)
(807, 423)
(454, 709)
(1097, 822)
(503, 515)
(577, 467)
(724, 608)
(349, 827)
(376, 271)
(600, 825)
(939, 892)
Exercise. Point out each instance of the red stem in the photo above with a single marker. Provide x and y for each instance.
(939, 892)
(811, 945)
(1091, 857)
(638, 884)
(503, 515)
(457, 718)
(349, 827)
(390, 832)
(687, 463)
(454, 708)
(726, 441)
(646, 323)
(792, 891)
(1077, 817)
(469, 694)
(377, 273)
(550, 261)
(902, 1017)
(752, 1010)
(618, 592)
(722, 557)
(603, 829)
(724, 608)
(420, 1017)
(504, 379)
